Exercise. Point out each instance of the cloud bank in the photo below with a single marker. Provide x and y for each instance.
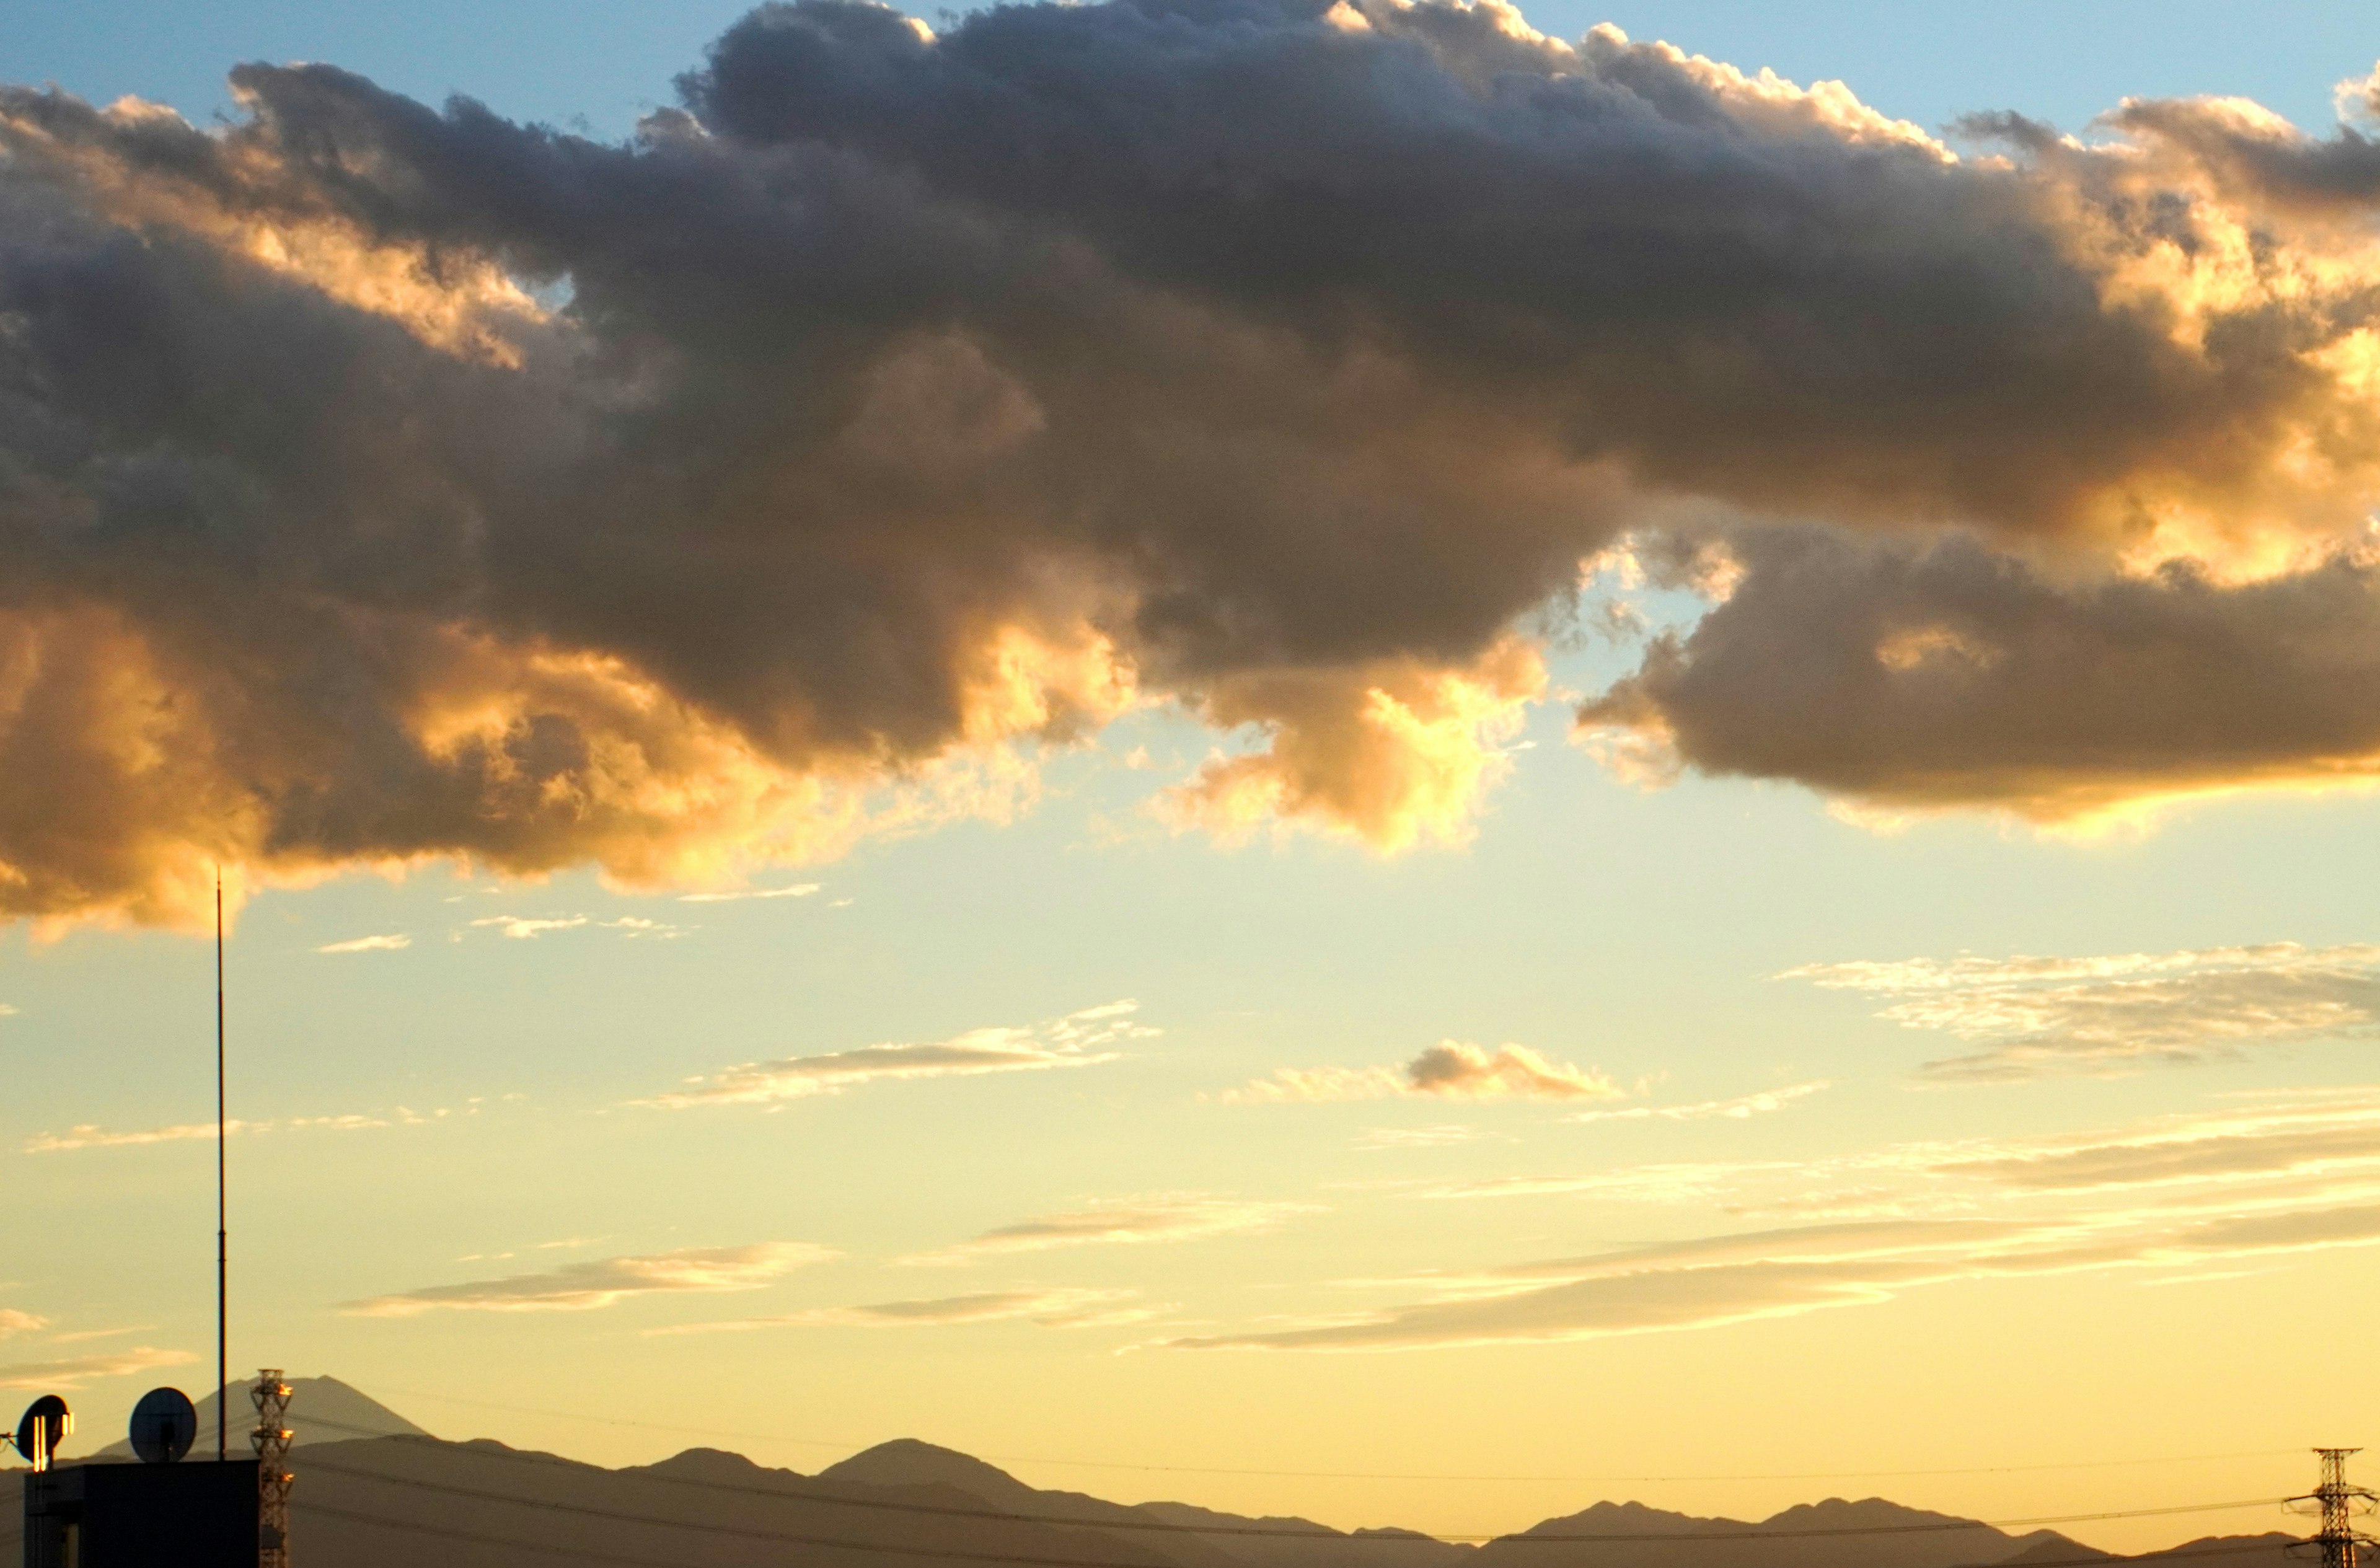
(581, 1287)
(382, 481)
(2102, 1016)
(2179, 1193)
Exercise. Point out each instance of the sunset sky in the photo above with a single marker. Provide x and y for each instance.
(1392, 763)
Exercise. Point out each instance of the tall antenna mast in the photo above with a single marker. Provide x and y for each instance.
(223, 1240)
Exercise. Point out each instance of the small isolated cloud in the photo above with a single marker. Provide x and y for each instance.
(1415, 1137)
(1067, 1307)
(2102, 1016)
(634, 926)
(522, 929)
(1451, 1069)
(15, 1322)
(1738, 1109)
(1170, 1217)
(580, 1287)
(392, 943)
(74, 1371)
(1078, 1039)
(6, 1011)
(800, 890)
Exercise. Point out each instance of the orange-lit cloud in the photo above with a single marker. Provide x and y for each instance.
(1061, 1307)
(72, 1372)
(1171, 1217)
(384, 484)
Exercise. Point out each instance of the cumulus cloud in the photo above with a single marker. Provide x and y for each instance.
(2102, 1015)
(1067, 1307)
(918, 401)
(2176, 1196)
(1739, 1109)
(394, 942)
(1451, 1069)
(1078, 1039)
(1164, 1218)
(580, 1287)
(72, 1372)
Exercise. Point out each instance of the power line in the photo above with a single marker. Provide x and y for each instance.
(592, 1554)
(1946, 1527)
(854, 1445)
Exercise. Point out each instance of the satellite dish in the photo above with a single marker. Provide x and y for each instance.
(47, 1421)
(164, 1425)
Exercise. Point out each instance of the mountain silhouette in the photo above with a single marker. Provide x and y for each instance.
(402, 1498)
(322, 1410)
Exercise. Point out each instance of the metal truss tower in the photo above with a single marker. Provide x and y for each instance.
(271, 1397)
(2338, 1503)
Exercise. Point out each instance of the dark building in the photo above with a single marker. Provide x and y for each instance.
(199, 1513)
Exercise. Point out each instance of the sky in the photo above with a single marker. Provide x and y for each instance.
(1386, 763)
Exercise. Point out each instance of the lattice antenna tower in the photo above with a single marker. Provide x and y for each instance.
(271, 1397)
(2338, 1505)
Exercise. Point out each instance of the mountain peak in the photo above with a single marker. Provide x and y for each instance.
(907, 1462)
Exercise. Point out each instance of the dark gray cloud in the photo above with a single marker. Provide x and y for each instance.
(380, 481)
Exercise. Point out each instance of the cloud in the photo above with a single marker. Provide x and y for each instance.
(392, 944)
(6, 1011)
(88, 1136)
(1736, 1110)
(2103, 1015)
(1068, 1308)
(1292, 405)
(529, 929)
(1451, 1069)
(798, 889)
(72, 1372)
(580, 1287)
(1077, 1039)
(2181, 1195)
(13, 1321)
(1165, 1218)
(1415, 1137)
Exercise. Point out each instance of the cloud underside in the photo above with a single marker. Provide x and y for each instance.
(580, 1287)
(2186, 1194)
(789, 472)
(2032, 1018)
(1084, 1039)
(1450, 1070)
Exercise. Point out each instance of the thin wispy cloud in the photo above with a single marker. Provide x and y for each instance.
(1068, 1308)
(2185, 1196)
(800, 890)
(1449, 1070)
(14, 1322)
(1740, 1108)
(6, 1011)
(72, 1372)
(394, 941)
(1124, 1221)
(581, 1287)
(2101, 1017)
(1415, 1137)
(88, 1136)
(1078, 1039)
(521, 928)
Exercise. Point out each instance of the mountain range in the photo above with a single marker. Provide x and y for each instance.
(376, 1491)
